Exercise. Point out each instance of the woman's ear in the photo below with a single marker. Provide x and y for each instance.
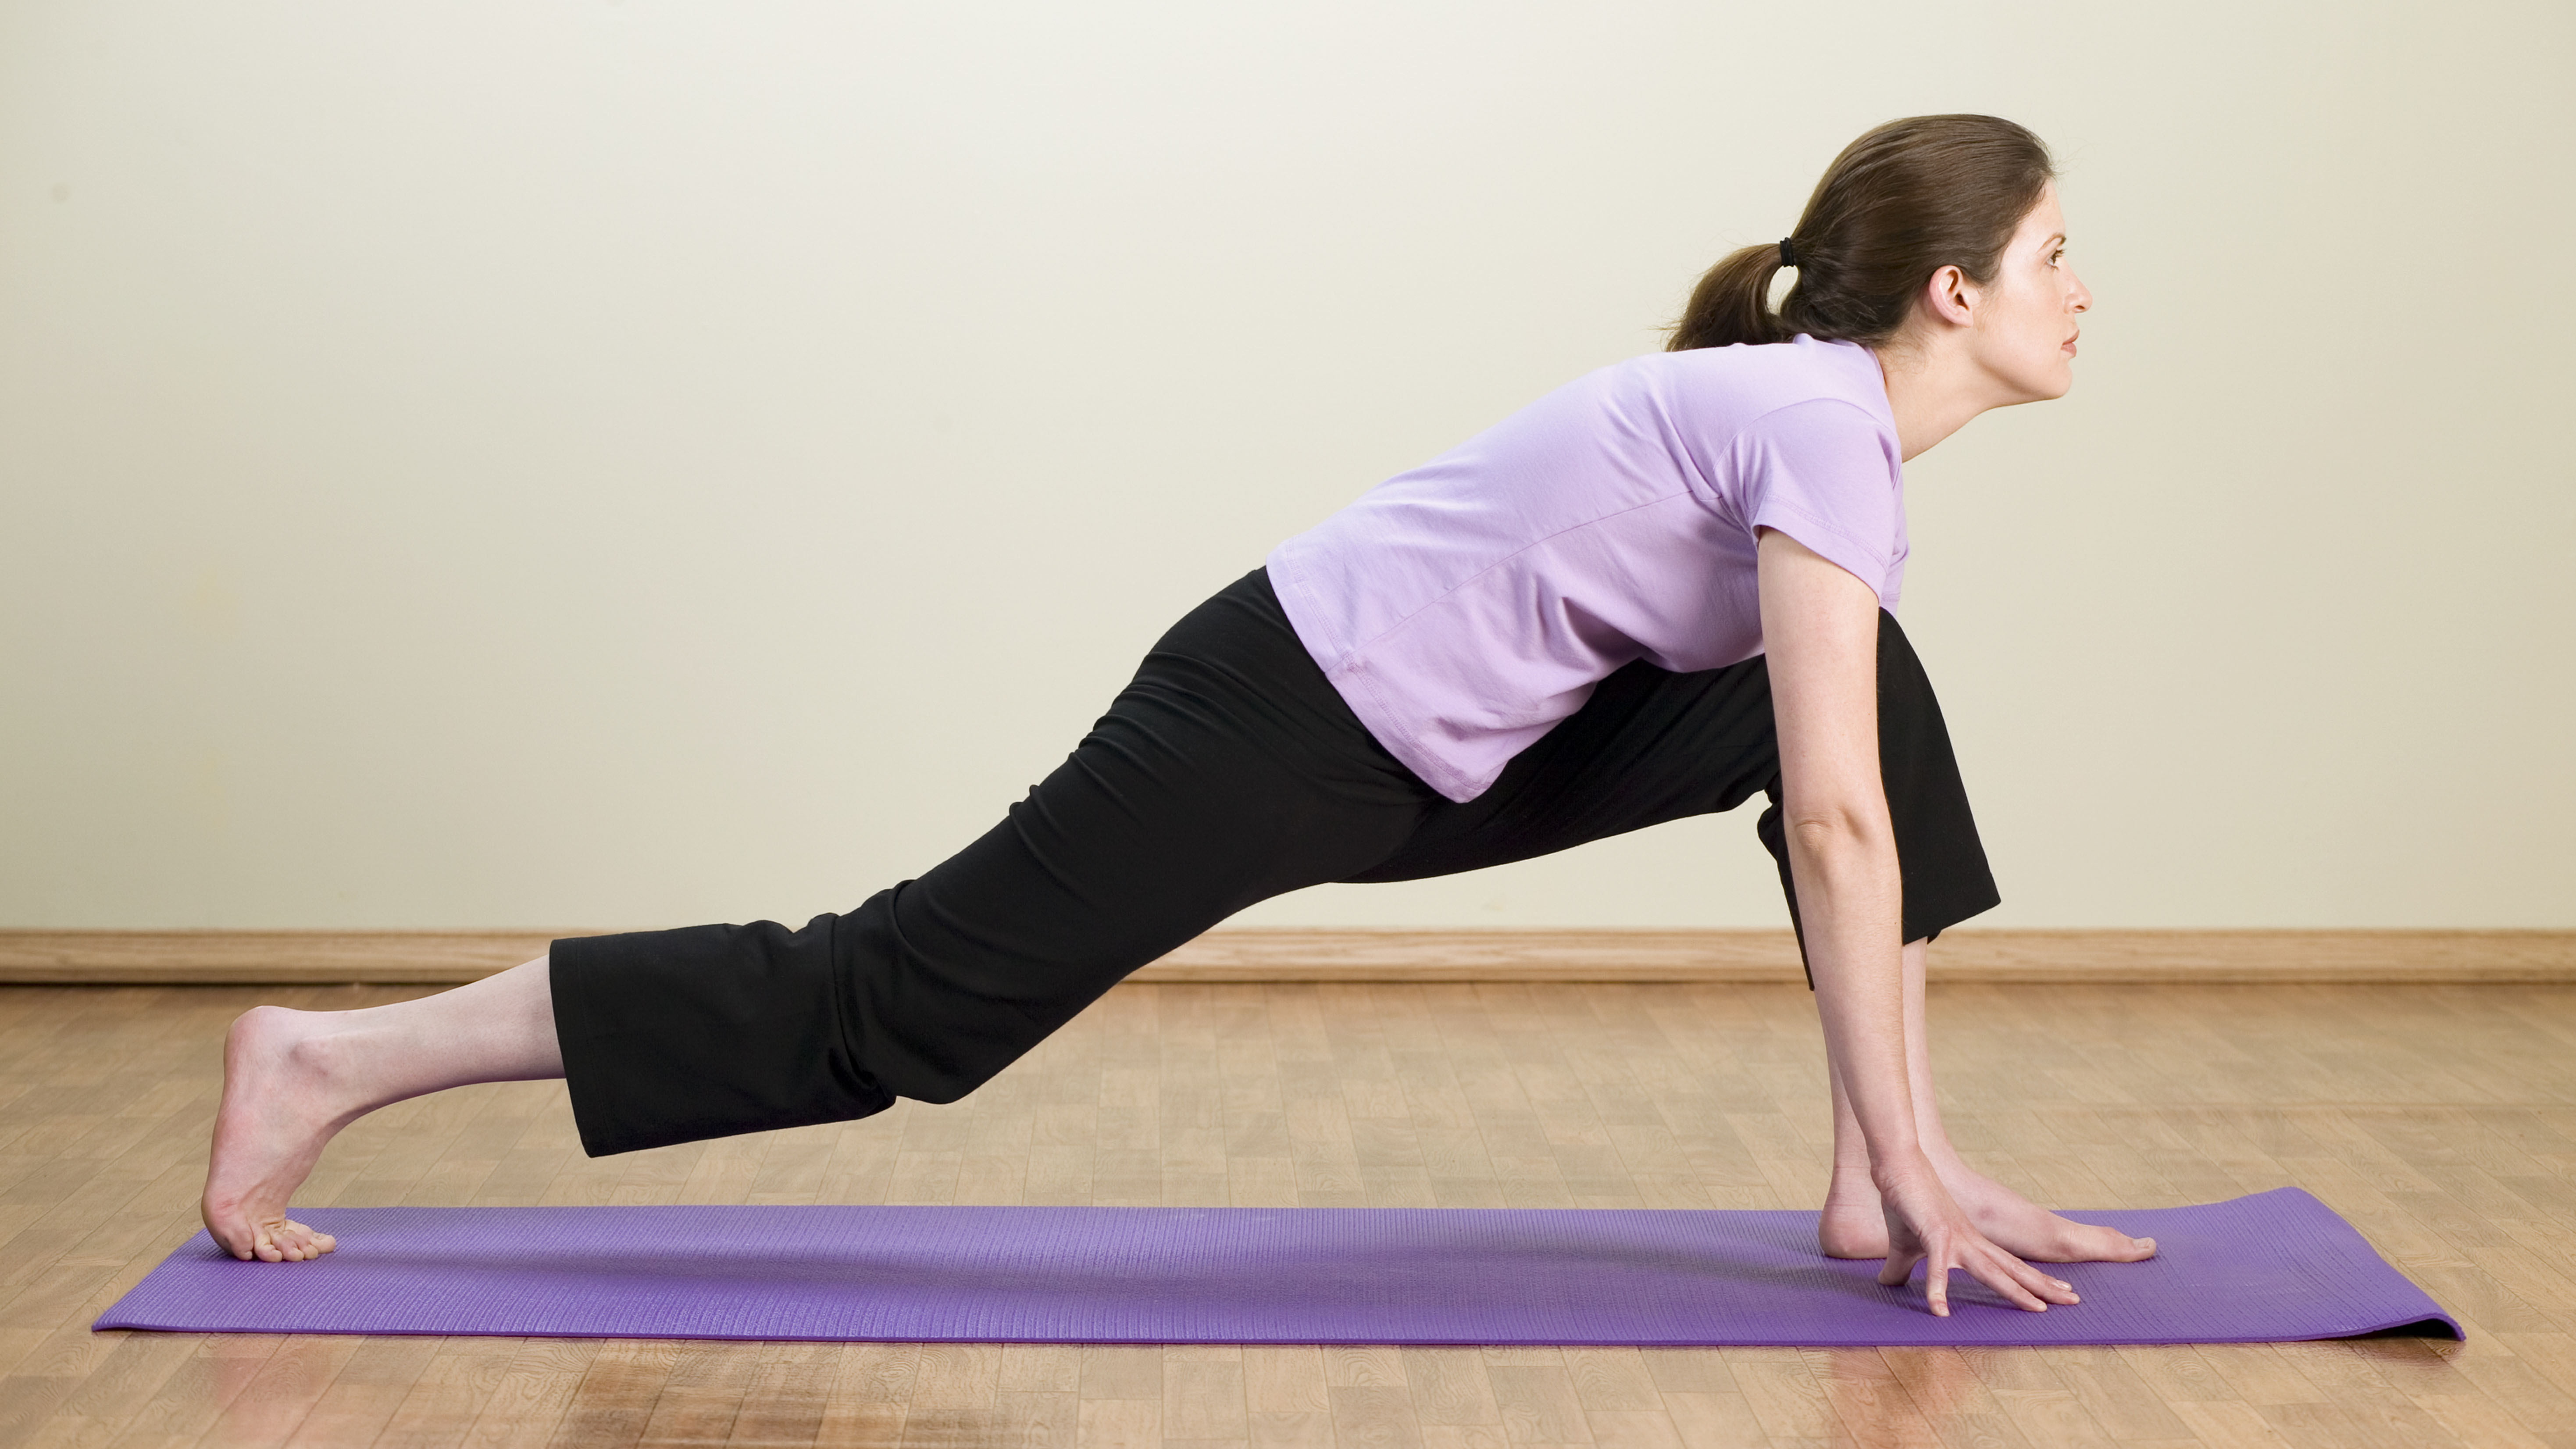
(1950, 297)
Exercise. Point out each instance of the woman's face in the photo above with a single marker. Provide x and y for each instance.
(2024, 325)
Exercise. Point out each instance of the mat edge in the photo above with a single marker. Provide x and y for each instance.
(2457, 1334)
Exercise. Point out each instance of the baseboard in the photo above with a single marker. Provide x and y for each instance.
(96, 958)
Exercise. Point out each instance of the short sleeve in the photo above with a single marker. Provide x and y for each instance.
(1825, 473)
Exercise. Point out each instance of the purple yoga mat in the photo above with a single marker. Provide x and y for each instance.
(2278, 1265)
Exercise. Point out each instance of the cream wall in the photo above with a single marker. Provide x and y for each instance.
(632, 463)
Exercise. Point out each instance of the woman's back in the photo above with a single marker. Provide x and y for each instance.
(1465, 606)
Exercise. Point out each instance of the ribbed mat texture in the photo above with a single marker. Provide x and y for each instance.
(2275, 1266)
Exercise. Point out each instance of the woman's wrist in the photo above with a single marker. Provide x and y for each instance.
(1898, 1164)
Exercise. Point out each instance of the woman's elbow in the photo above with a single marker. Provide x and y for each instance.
(1839, 830)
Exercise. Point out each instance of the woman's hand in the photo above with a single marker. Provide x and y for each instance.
(1820, 631)
(1925, 1226)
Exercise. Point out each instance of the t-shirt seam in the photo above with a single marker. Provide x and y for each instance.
(1593, 522)
(1878, 433)
(1411, 733)
(1749, 424)
(1298, 584)
(1827, 526)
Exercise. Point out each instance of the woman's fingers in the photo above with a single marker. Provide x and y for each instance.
(2037, 1282)
(1926, 1227)
(2040, 1282)
(2003, 1280)
(2020, 1284)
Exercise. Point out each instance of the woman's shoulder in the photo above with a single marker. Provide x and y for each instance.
(1802, 366)
(1717, 392)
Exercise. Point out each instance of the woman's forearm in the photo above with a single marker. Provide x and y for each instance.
(1850, 903)
(1820, 628)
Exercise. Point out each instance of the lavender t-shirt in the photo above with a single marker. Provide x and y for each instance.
(1465, 606)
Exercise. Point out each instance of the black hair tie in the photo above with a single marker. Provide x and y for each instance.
(1788, 253)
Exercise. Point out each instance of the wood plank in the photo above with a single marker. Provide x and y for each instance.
(1240, 954)
(94, 958)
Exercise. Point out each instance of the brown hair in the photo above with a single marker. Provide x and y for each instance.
(1905, 200)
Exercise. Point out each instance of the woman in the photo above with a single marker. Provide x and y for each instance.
(1647, 595)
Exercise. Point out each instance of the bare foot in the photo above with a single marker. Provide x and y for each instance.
(278, 1110)
(2034, 1234)
(1852, 1226)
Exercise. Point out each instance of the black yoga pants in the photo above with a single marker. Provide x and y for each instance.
(1227, 772)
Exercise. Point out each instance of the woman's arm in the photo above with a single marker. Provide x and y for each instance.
(1820, 631)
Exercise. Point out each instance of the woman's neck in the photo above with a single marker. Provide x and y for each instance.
(1928, 400)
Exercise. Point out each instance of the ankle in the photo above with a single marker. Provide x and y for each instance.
(1851, 1188)
(317, 1059)
(320, 1065)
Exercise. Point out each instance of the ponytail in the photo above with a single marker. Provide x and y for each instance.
(1732, 303)
(1905, 200)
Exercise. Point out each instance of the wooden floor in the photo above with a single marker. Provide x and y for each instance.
(2439, 1119)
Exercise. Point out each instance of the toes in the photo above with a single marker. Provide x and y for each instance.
(285, 1242)
(302, 1244)
(2119, 1247)
(2107, 1245)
